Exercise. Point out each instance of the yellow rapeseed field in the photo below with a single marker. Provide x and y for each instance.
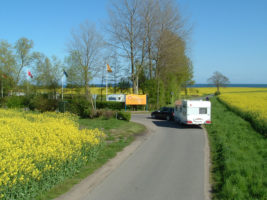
(254, 102)
(211, 90)
(38, 150)
(93, 90)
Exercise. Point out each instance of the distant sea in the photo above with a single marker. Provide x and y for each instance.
(208, 85)
(234, 85)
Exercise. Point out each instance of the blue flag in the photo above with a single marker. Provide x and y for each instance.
(65, 73)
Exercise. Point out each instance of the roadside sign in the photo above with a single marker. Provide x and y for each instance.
(134, 99)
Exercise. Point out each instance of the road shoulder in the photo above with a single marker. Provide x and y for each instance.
(83, 188)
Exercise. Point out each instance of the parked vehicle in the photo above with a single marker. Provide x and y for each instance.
(163, 113)
(192, 112)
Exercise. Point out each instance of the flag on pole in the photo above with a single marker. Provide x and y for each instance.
(65, 73)
(108, 68)
(30, 74)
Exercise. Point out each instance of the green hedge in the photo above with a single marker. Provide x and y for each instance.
(79, 106)
(124, 115)
(16, 101)
(43, 104)
(110, 105)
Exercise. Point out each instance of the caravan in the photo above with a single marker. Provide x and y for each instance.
(192, 112)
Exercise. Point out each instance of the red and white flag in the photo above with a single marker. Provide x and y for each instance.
(30, 74)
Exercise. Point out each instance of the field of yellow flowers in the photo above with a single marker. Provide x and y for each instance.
(250, 105)
(39, 150)
(211, 90)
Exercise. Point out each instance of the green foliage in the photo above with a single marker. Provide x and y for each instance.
(110, 105)
(16, 101)
(124, 85)
(238, 155)
(43, 104)
(124, 115)
(151, 89)
(79, 106)
(217, 93)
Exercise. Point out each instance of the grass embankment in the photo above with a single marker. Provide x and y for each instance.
(252, 106)
(239, 157)
(119, 134)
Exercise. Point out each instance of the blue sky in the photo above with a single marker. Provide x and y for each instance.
(229, 36)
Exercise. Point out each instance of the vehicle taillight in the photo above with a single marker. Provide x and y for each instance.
(208, 122)
(189, 122)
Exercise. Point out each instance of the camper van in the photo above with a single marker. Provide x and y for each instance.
(116, 97)
(192, 112)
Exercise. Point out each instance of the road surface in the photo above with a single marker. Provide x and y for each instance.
(169, 165)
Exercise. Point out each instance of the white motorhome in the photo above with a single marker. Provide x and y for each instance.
(116, 97)
(192, 112)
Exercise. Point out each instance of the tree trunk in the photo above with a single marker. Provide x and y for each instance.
(158, 94)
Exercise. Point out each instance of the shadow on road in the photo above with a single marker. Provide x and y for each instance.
(172, 124)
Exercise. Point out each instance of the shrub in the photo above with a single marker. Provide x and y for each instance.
(107, 114)
(217, 93)
(80, 106)
(16, 101)
(2, 102)
(110, 105)
(43, 104)
(124, 116)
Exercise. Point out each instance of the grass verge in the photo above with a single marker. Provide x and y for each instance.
(257, 122)
(239, 156)
(119, 134)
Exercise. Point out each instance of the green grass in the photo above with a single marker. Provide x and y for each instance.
(239, 156)
(119, 134)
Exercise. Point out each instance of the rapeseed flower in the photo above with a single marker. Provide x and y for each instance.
(37, 149)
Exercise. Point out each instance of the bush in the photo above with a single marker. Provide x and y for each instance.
(16, 101)
(217, 93)
(43, 104)
(110, 105)
(124, 116)
(80, 106)
(2, 102)
(107, 114)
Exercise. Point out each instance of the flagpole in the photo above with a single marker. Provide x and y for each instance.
(62, 88)
(106, 84)
(2, 90)
(28, 86)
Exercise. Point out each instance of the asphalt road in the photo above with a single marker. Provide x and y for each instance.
(169, 165)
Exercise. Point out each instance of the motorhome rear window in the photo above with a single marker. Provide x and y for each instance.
(203, 111)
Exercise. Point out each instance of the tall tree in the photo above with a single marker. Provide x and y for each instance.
(23, 47)
(117, 70)
(7, 66)
(124, 27)
(219, 80)
(47, 72)
(7, 59)
(84, 49)
(149, 25)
